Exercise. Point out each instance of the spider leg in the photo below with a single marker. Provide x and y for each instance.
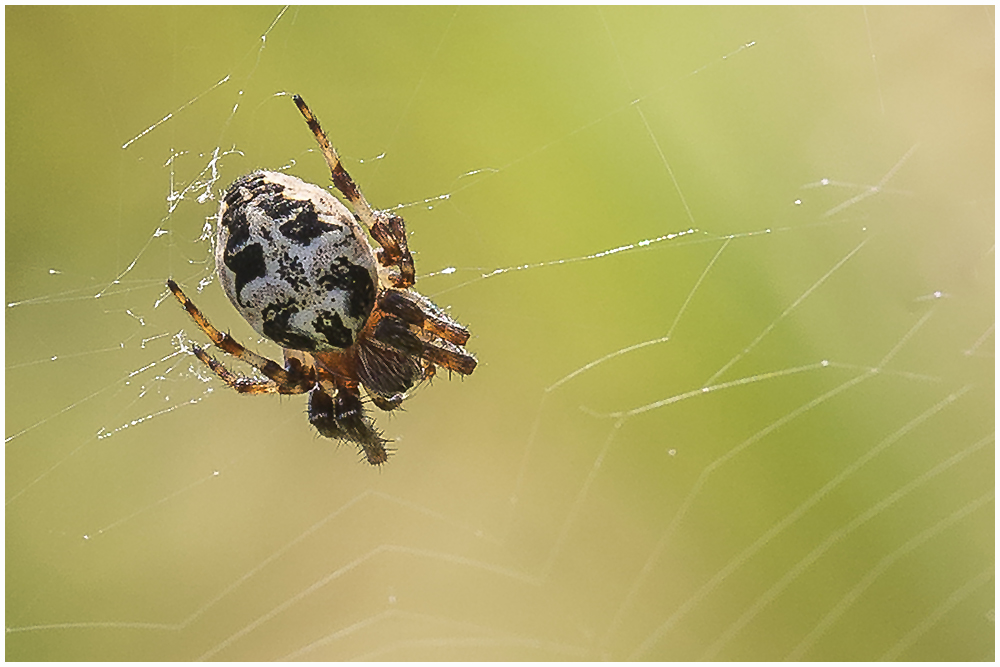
(394, 332)
(385, 369)
(450, 356)
(240, 383)
(343, 418)
(387, 229)
(390, 232)
(387, 404)
(416, 309)
(291, 381)
(322, 416)
(441, 338)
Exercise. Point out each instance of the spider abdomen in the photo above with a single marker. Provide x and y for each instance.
(294, 263)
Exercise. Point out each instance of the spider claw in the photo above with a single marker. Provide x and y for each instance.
(388, 403)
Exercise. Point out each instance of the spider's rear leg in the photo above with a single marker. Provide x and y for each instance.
(390, 232)
(387, 229)
(293, 380)
(240, 383)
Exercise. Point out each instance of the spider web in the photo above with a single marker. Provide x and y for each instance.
(729, 274)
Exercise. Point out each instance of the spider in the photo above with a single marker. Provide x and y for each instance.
(296, 264)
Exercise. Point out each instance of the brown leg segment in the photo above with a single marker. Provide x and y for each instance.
(285, 382)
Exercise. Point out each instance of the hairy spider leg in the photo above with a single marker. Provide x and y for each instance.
(387, 229)
(443, 353)
(396, 333)
(416, 309)
(335, 406)
(343, 418)
(297, 379)
(440, 338)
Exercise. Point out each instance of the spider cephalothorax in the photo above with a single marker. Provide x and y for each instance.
(299, 268)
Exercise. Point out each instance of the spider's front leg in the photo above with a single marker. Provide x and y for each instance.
(343, 418)
(416, 309)
(441, 338)
(335, 407)
(396, 334)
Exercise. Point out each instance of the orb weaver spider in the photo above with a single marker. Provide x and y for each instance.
(297, 265)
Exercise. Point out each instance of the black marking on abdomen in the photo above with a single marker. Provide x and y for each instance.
(276, 326)
(303, 225)
(355, 281)
(247, 265)
(331, 327)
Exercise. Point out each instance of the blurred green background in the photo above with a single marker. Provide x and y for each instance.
(719, 492)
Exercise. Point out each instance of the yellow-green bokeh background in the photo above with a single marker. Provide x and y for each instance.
(516, 522)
